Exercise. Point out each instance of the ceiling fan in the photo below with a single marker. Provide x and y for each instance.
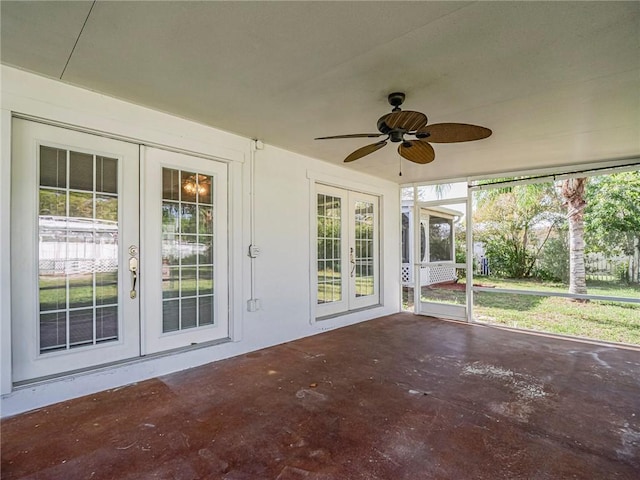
(398, 123)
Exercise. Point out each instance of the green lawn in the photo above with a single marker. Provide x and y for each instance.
(600, 320)
(330, 290)
(53, 290)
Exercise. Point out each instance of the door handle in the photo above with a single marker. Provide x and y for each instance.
(352, 261)
(133, 268)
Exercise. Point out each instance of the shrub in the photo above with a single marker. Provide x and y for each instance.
(506, 258)
(553, 263)
(622, 272)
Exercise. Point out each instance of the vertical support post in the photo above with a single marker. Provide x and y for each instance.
(470, 259)
(417, 260)
(635, 262)
(5, 253)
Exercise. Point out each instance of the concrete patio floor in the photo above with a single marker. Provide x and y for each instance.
(399, 397)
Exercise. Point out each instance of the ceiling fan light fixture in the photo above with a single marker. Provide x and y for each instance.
(196, 184)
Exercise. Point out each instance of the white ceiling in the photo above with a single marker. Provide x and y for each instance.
(557, 82)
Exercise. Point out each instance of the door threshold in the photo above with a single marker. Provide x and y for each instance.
(119, 363)
(348, 312)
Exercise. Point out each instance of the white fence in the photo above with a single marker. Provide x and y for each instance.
(600, 267)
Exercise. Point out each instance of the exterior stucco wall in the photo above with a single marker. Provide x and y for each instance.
(284, 231)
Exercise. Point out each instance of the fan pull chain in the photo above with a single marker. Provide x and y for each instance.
(400, 166)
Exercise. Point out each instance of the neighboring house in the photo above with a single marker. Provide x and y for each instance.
(437, 243)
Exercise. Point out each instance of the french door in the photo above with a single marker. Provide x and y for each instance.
(185, 254)
(74, 235)
(87, 290)
(347, 251)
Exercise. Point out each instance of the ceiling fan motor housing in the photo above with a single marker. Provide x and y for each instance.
(399, 123)
(395, 100)
(395, 134)
(382, 126)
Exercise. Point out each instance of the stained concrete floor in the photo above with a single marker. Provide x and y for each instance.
(400, 397)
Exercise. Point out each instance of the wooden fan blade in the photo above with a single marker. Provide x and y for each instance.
(352, 135)
(417, 151)
(361, 152)
(453, 132)
(406, 119)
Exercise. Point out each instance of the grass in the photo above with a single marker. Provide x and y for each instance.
(53, 289)
(594, 287)
(330, 290)
(599, 320)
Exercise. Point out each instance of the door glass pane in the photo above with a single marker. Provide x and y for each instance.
(205, 250)
(364, 251)
(107, 208)
(189, 190)
(170, 238)
(81, 292)
(205, 196)
(205, 280)
(188, 311)
(78, 250)
(81, 171)
(188, 218)
(329, 218)
(53, 331)
(106, 175)
(170, 316)
(106, 324)
(53, 167)
(205, 310)
(107, 283)
(53, 203)
(53, 287)
(187, 249)
(205, 220)
(170, 282)
(188, 279)
(170, 184)
(80, 206)
(81, 327)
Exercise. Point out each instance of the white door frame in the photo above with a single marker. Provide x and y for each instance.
(357, 302)
(28, 362)
(137, 337)
(433, 308)
(349, 301)
(153, 338)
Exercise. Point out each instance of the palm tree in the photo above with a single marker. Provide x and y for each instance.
(573, 193)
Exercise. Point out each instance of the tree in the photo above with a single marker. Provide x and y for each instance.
(515, 223)
(612, 216)
(573, 193)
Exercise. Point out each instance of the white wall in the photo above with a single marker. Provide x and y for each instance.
(282, 219)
